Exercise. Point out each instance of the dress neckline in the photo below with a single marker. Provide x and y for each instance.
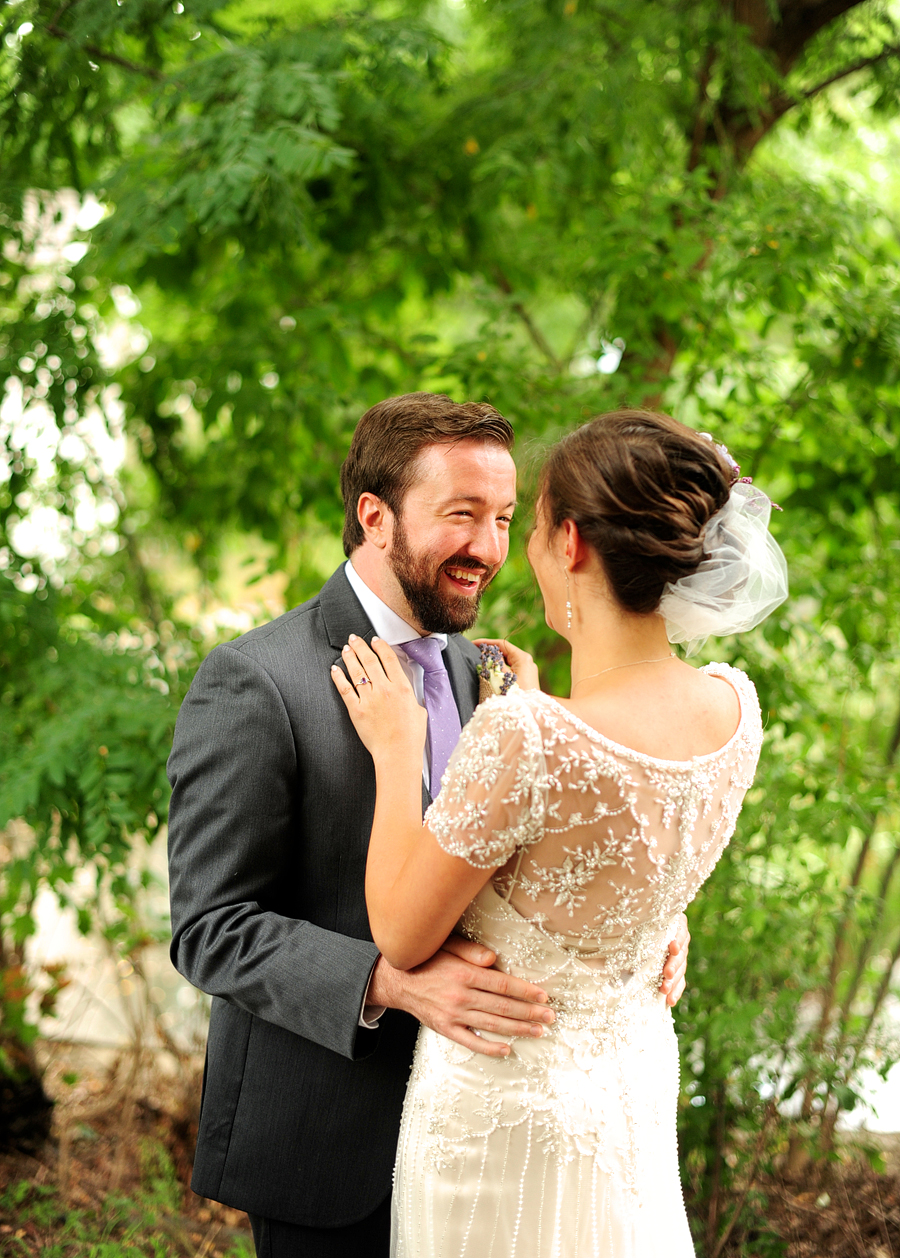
(633, 754)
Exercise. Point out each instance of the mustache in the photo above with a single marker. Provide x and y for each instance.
(466, 561)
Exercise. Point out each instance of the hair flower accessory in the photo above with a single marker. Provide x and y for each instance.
(732, 462)
(743, 575)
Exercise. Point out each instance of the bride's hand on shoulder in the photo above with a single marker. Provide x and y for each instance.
(382, 706)
(519, 661)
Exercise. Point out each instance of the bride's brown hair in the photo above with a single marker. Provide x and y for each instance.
(640, 486)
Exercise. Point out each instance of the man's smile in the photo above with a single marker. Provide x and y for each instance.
(465, 580)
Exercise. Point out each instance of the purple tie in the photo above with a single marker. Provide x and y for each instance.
(443, 717)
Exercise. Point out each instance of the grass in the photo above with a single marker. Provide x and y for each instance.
(38, 1219)
(112, 1182)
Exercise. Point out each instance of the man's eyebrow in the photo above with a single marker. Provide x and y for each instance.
(476, 498)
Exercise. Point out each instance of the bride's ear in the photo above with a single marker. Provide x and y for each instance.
(575, 551)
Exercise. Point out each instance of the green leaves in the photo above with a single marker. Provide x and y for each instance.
(83, 744)
(251, 128)
(312, 208)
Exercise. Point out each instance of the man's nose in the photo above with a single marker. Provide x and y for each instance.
(489, 545)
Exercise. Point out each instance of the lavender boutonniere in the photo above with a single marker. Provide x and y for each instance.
(495, 677)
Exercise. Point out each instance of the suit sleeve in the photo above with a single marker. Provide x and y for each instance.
(232, 822)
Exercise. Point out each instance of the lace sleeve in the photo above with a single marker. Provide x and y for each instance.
(494, 790)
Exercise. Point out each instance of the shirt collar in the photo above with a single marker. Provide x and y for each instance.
(388, 626)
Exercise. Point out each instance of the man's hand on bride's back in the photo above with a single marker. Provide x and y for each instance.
(458, 993)
(673, 980)
(520, 662)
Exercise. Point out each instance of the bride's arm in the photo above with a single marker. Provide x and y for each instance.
(416, 886)
(415, 891)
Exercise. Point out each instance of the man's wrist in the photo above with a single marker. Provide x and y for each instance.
(384, 986)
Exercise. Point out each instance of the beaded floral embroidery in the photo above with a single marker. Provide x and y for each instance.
(591, 841)
(597, 849)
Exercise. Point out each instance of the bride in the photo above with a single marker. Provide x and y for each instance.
(567, 837)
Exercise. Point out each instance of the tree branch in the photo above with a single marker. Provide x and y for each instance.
(894, 744)
(838, 950)
(865, 948)
(800, 20)
(701, 122)
(92, 50)
(533, 330)
(783, 103)
(389, 343)
(891, 51)
(740, 133)
(61, 12)
(605, 299)
(750, 1182)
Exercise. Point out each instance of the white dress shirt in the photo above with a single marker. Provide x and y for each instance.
(392, 629)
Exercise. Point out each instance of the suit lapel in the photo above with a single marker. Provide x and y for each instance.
(343, 614)
(342, 611)
(463, 678)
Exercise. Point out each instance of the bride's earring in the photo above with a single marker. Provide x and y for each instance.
(568, 605)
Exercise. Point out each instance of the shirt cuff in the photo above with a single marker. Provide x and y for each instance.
(370, 1014)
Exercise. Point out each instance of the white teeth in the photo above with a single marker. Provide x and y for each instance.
(463, 574)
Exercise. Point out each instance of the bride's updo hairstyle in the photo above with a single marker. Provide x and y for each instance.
(641, 488)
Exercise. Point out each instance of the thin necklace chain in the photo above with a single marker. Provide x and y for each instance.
(660, 659)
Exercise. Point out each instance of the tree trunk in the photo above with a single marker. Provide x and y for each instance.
(25, 1108)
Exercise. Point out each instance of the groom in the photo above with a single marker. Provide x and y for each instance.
(311, 1033)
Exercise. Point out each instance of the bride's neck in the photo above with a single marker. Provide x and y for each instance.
(604, 637)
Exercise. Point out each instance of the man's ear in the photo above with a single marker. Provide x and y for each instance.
(376, 520)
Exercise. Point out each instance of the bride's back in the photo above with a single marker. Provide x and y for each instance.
(620, 839)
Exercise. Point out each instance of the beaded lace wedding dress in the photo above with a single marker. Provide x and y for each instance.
(566, 1148)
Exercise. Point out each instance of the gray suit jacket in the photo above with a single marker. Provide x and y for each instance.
(272, 803)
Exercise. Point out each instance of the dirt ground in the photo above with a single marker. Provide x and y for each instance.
(112, 1116)
(112, 1113)
(850, 1212)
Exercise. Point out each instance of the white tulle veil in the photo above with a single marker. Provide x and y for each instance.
(743, 578)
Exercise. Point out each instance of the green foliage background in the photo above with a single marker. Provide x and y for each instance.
(309, 206)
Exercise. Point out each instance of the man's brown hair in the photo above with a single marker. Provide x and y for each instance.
(389, 437)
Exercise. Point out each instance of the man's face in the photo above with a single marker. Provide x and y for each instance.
(452, 534)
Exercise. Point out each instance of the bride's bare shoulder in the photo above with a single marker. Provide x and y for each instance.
(691, 712)
(718, 695)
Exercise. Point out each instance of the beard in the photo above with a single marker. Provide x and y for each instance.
(420, 580)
